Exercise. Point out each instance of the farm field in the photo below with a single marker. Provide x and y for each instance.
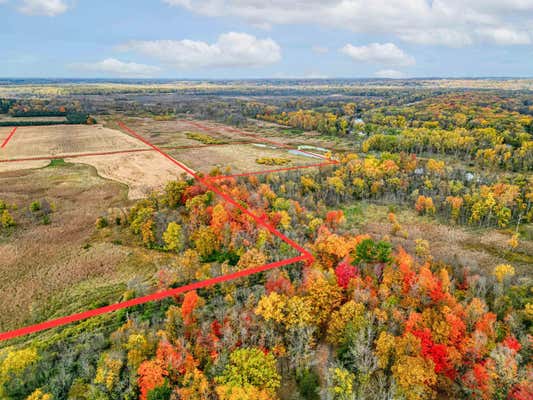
(139, 167)
(141, 171)
(60, 140)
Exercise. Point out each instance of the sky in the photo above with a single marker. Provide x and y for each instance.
(236, 39)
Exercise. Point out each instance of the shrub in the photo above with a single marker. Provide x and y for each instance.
(101, 222)
(160, 393)
(206, 139)
(272, 161)
(6, 220)
(308, 384)
(35, 206)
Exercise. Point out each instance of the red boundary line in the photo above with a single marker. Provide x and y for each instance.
(107, 153)
(145, 299)
(260, 220)
(262, 140)
(269, 171)
(252, 135)
(8, 138)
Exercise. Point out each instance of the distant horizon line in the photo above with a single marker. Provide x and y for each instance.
(110, 79)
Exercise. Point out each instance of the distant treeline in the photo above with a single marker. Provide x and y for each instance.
(5, 105)
(70, 119)
(38, 113)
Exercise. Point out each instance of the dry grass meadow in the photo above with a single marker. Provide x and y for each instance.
(142, 172)
(41, 261)
(459, 246)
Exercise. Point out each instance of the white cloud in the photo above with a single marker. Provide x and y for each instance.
(443, 22)
(112, 66)
(377, 53)
(389, 73)
(230, 50)
(505, 36)
(319, 49)
(48, 8)
(446, 37)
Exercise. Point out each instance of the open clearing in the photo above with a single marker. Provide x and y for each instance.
(142, 172)
(240, 157)
(41, 261)
(166, 133)
(478, 250)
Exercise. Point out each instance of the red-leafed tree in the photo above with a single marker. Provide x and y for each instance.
(345, 272)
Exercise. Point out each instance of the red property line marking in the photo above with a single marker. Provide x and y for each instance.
(268, 171)
(8, 138)
(252, 135)
(145, 299)
(108, 153)
(304, 256)
(259, 220)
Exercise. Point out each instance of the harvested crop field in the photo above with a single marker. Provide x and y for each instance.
(58, 140)
(143, 172)
(174, 133)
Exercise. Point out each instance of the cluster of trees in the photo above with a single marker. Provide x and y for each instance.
(364, 321)
(37, 211)
(491, 129)
(470, 110)
(273, 160)
(70, 118)
(485, 145)
(326, 123)
(206, 139)
(5, 105)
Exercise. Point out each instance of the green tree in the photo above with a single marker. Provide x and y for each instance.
(160, 393)
(172, 237)
(174, 192)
